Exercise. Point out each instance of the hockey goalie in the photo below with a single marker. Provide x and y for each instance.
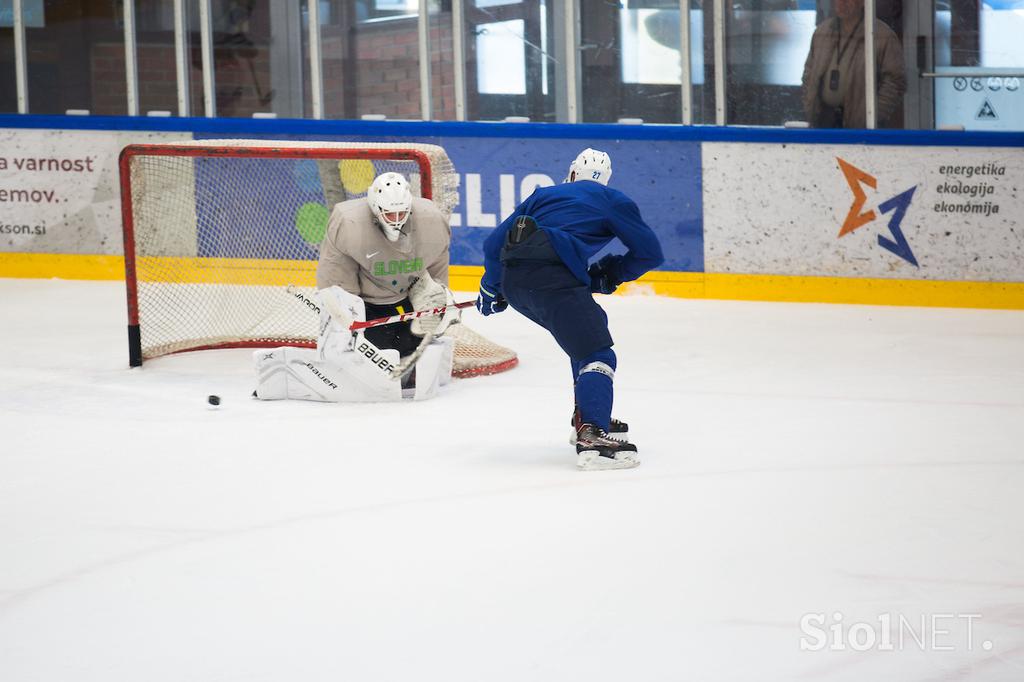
(382, 256)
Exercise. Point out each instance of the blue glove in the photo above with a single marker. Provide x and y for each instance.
(604, 274)
(488, 303)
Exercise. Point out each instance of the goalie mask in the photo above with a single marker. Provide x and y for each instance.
(390, 202)
(592, 165)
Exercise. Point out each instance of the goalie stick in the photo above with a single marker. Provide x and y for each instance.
(412, 315)
(410, 361)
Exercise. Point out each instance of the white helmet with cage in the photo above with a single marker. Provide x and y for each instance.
(592, 165)
(390, 202)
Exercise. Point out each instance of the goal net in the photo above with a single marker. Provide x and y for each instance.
(221, 239)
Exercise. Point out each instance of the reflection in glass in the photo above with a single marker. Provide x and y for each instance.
(509, 64)
(767, 42)
(501, 62)
(999, 44)
(76, 59)
(8, 84)
(154, 28)
(986, 46)
(630, 63)
(242, 56)
(650, 46)
(834, 84)
(370, 58)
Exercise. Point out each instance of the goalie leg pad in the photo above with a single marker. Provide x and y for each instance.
(299, 374)
(433, 369)
(295, 373)
(338, 309)
(447, 360)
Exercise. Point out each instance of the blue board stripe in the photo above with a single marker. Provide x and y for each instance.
(599, 131)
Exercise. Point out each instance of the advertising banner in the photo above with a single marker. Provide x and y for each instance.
(59, 190)
(854, 211)
(896, 212)
(496, 174)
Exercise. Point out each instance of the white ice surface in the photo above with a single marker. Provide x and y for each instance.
(796, 459)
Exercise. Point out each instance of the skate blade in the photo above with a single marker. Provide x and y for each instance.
(621, 437)
(590, 460)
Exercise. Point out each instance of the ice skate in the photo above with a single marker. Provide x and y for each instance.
(595, 450)
(617, 430)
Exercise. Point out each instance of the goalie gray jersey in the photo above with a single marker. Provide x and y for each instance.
(356, 255)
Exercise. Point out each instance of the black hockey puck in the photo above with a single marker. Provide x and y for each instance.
(213, 400)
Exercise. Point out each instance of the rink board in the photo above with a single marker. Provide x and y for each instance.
(891, 213)
(840, 216)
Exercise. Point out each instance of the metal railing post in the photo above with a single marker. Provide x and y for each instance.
(206, 40)
(459, 58)
(686, 78)
(131, 58)
(870, 95)
(315, 60)
(20, 58)
(424, 48)
(181, 60)
(719, 67)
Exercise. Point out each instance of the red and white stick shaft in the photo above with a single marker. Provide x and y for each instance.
(412, 315)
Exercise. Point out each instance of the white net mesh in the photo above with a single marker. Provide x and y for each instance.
(444, 186)
(224, 236)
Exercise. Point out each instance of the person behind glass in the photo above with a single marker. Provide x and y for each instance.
(833, 79)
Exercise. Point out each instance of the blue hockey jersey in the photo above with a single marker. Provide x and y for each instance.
(580, 218)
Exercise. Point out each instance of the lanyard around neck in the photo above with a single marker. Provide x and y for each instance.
(839, 36)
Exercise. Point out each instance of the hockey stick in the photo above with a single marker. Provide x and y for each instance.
(410, 361)
(412, 315)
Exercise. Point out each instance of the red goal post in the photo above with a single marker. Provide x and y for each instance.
(221, 239)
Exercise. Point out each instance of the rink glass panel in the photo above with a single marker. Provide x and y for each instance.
(630, 63)
(766, 46)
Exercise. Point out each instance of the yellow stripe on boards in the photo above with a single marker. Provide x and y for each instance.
(262, 271)
(465, 277)
(784, 288)
(61, 266)
(163, 269)
(909, 292)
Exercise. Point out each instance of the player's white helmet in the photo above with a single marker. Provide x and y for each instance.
(592, 165)
(390, 201)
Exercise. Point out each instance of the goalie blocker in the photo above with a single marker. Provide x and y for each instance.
(345, 366)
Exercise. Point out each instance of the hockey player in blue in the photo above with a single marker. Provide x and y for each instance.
(537, 261)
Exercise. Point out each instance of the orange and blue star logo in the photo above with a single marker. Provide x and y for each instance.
(858, 217)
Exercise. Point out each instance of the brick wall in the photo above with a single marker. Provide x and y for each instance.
(108, 75)
(385, 74)
(242, 79)
(387, 69)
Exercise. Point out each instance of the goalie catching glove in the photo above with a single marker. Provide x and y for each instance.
(426, 294)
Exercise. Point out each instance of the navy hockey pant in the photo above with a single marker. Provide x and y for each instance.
(399, 335)
(538, 284)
